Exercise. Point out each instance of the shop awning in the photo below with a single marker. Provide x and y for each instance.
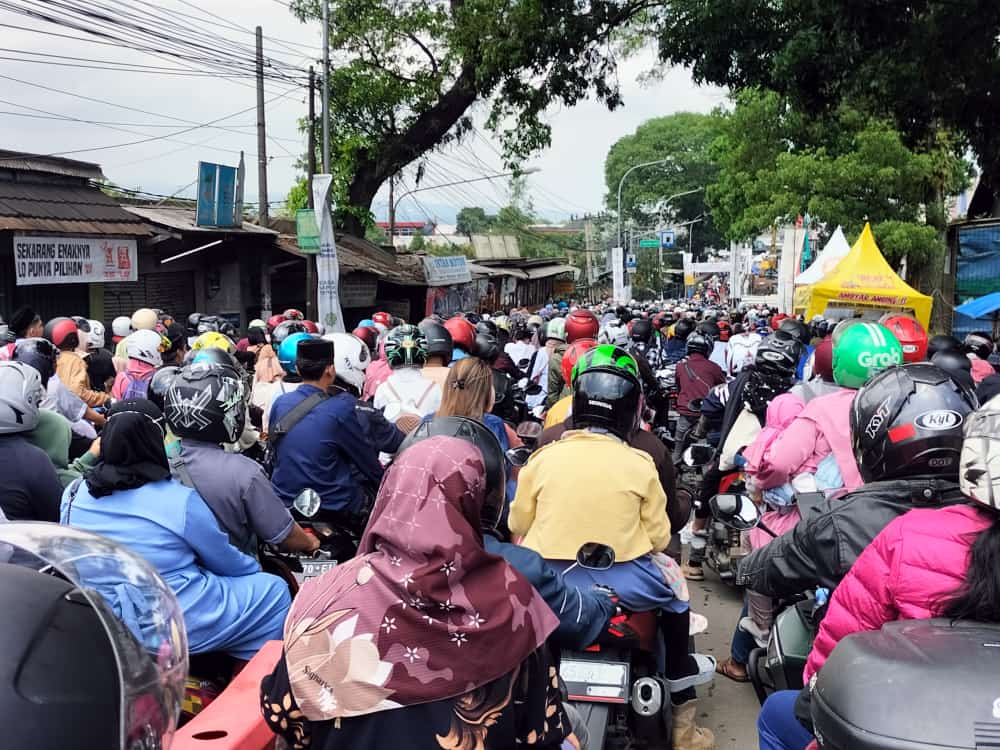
(543, 272)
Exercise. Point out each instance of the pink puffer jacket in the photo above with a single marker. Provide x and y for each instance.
(822, 428)
(904, 574)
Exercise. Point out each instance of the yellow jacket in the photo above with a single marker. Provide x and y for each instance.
(72, 371)
(559, 411)
(589, 487)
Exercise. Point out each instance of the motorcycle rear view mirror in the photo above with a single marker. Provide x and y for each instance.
(307, 503)
(533, 390)
(595, 556)
(518, 456)
(698, 454)
(735, 511)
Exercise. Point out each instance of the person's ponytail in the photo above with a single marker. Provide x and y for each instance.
(978, 598)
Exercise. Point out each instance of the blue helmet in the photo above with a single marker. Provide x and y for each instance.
(288, 349)
(366, 323)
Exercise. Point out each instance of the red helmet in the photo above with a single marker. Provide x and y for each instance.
(463, 333)
(368, 334)
(581, 324)
(310, 326)
(911, 335)
(62, 329)
(724, 330)
(659, 320)
(274, 321)
(384, 318)
(292, 314)
(573, 352)
(776, 321)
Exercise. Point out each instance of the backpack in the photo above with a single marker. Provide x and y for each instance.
(137, 387)
(285, 425)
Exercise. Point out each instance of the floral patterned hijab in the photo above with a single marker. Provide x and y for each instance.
(423, 613)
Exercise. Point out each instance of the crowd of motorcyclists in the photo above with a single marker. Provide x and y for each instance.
(188, 444)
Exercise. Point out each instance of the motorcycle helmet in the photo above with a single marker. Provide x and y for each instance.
(556, 329)
(382, 318)
(708, 329)
(605, 355)
(957, 364)
(535, 321)
(504, 400)
(641, 331)
(463, 333)
(82, 325)
(581, 324)
(292, 314)
(843, 326)
(406, 346)
(503, 323)
(439, 343)
(120, 328)
(366, 323)
(144, 319)
(908, 420)
(910, 334)
(608, 397)
(214, 356)
(683, 328)
(776, 320)
(978, 343)
(96, 335)
(822, 361)
(978, 478)
(257, 323)
(191, 329)
(274, 321)
(861, 351)
(284, 330)
(311, 327)
(572, 355)
(146, 346)
(613, 333)
(38, 353)
(351, 358)
(778, 357)
(213, 340)
(207, 401)
(943, 343)
(487, 347)
(160, 384)
(698, 343)
(796, 329)
(74, 675)
(62, 332)
(288, 350)
(478, 434)
(369, 335)
(208, 324)
(21, 394)
(487, 326)
(725, 331)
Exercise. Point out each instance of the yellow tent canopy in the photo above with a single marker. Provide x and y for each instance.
(863, 279)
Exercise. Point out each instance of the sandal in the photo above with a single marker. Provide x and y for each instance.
(727, 668)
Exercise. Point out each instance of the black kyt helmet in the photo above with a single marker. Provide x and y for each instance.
(642, 331)
(38, 353)
(487, 347)
(796, 329)
(608, 397)
(683, 328)
(778, 356)
(699, 343)
(475, 432)
(159, 384)
(908, 420)
(439, 341)
(207, 401)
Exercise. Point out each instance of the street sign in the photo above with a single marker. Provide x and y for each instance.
(217, 196)
(667, 238)
(630, 262)
(649, 243)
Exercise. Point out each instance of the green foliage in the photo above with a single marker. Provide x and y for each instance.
(298, 196)
(418, 243)
(686, 139)
(473, 220)
(920, 244)
(406, 73)
(376, 235)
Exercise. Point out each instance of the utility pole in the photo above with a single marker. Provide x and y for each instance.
(392, 210)
(261, 134)
(326, 87)
(588, 238)
(311, 167)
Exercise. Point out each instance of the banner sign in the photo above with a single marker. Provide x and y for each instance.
(327, 270)
(445, 271)
(217, 196)
(307, 231)
(74, 260)
(618, 273)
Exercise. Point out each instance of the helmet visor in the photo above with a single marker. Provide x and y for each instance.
(140, 614)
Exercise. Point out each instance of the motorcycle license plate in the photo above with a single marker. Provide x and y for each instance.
(314, 568)
(600, 681)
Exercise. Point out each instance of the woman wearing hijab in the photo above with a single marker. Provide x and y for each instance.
(424, 640)
(229, 604)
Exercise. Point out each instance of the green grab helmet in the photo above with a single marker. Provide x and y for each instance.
(862, 350)
(605, 355)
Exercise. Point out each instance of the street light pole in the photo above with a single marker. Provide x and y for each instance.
(621, 182)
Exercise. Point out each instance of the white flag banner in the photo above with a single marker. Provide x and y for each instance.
(327, 269)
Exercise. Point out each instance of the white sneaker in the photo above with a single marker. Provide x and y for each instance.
(687, 534)
(761, 636)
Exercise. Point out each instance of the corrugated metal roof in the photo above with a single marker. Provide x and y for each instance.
(72, 209)
(24, 162)
(355, 254)
(542, 272)
(182, 220)
(480, 270)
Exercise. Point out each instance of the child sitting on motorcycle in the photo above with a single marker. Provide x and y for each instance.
(590, 486)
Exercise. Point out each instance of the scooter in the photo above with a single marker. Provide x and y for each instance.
(613, 684)
(914, 684)
(724, 543)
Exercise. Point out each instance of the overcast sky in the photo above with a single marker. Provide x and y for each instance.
(153, 104)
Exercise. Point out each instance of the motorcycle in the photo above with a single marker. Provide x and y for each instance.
(613, 684)
(724, 546)
(889, 689)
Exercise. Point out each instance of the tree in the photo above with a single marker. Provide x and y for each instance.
(925, 64)
(473, 220)
(407, 73)
(418, 243)
(685, 138)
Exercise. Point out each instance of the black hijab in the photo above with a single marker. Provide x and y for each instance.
(132, 451)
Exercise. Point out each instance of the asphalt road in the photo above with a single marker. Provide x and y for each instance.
(727, 708)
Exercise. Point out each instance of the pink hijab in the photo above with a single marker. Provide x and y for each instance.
(780, 413)
(377, 373)
(423, 613)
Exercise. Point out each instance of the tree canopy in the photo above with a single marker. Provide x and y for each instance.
(406, 74)
(924, 64)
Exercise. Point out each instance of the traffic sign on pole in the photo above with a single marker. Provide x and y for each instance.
(649, 243)
(667, 238)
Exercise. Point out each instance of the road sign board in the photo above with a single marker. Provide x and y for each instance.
(667, 238)
(649, 243)
(630, 262)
